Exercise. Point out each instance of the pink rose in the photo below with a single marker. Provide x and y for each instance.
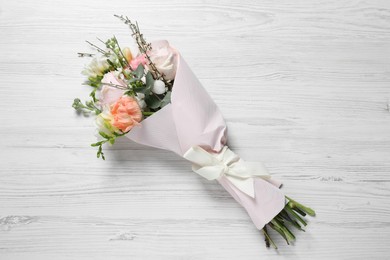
(140, 59)
(126, 113)
(109, 94)
(164, 58)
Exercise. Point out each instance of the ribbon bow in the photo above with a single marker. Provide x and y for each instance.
(213, 166)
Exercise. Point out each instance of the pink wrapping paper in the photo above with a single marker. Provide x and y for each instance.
(193, 119)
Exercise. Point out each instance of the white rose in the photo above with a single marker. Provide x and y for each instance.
(164, 58)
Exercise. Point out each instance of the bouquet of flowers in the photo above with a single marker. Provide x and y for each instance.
(151, 96)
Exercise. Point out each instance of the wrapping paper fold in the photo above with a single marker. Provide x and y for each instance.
(193, 119)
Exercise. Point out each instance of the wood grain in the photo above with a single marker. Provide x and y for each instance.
(303, 85)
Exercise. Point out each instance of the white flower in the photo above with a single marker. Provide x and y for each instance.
(158, 87)
(97, 67)
(119, 73)
(103, 123)
(110, 94)
(164, 58)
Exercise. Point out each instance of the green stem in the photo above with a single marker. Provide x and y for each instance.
(115, 86)
(147, 113)
(294, 215)
(97, 48)
(268, 239)
(121, 53)
(289, 235)
(305, 209)
(277, 229)
(286, 217)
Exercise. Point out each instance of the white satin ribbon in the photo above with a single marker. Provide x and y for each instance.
(213, 166)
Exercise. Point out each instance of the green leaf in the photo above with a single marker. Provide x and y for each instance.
(167, 99)
(152, 101)
(139, 87)
(100, 153)
(139, 72)
(149, 80)
(147, 87)
(104, 135)
(112, 65)
(97, 144)
(145, 90)
(93, 95)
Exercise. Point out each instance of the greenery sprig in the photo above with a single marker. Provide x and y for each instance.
(86, 108)
(107, 138)
(144, 47)
(291, 216)
(113, 45)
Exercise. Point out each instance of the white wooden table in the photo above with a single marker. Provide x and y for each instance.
(303, 85)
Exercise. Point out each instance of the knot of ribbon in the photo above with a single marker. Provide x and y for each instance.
(213, 166)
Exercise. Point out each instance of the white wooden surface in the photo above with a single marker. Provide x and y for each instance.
(304, 87)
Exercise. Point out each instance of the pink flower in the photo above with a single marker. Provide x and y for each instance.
(135, 62)
(165, 58)
(126, 113)
(110, 94)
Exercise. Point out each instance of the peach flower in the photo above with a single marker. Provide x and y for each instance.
(127, 53)
(126, 113)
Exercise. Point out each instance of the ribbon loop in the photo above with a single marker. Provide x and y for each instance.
(226, 163)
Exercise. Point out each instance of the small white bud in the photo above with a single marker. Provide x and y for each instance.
(158, 87)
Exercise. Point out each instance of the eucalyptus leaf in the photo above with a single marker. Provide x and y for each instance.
(132, 80)
(139, 72)
(167, 99)
(143, 89)
(149, 80)
(152, 101)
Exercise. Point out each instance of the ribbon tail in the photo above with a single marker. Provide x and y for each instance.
(208, 172)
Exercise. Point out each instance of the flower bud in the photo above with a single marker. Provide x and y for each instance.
(158, 87)
(127, 53)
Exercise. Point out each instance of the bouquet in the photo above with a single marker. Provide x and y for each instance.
(151, 96)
